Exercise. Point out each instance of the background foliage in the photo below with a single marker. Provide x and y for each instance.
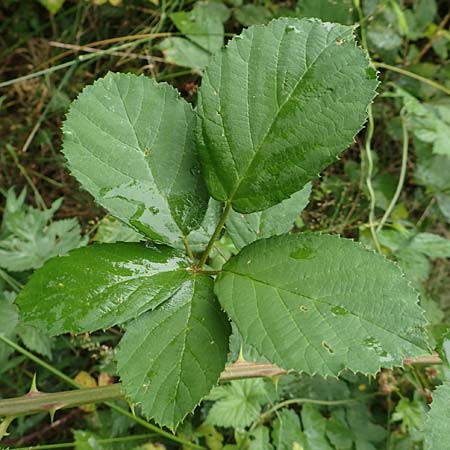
(68, 44)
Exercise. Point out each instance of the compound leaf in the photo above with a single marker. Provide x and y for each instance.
(437, 423)
(121, 142)
(279, 219)
(170, 358)
(101, 285)
(277, 106)
(319, 304)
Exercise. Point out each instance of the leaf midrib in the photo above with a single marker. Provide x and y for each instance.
(288, 98)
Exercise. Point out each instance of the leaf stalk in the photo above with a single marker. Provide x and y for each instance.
(215, 235)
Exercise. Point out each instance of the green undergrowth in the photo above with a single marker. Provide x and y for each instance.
(390, 192)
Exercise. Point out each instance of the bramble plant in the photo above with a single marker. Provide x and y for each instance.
(275, 107)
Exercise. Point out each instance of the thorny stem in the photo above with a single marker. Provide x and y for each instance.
(215, 235)
(401, 178)
(38, 402)
(35, 402)
(113, 406)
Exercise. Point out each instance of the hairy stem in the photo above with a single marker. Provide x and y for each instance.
(215, 235)
(401, 179)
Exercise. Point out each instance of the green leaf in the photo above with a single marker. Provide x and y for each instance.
(319, 304)
(203, 25)
(9, 318)
(314, 426)
(432, 245)
(443, 201)
(409, 413)
(181, 52)
(248, 15)
(429, 122)
(112, 230)
(8, 315)
(28, 238)
(364, 431)
(327, 10)
(203, 28)
(35, 340)
(260, 439)
(87, 440)
(198, 239)
(279, 219)
(52, 6)
(287, 430)
(338, 432)
(277, 106)
(170, 358)
(121, 143)
(237, 404)
(437, 423)
(432, 170)
(101, 285)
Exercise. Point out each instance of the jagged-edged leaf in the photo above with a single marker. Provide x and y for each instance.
(130, 143)
(277, 106)
(287, 431)
(319, 304)
(36, 340)
(279, 219)
(237, 404)
(171, 357)
(437, 423)
(101, 285)
(29, 237)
